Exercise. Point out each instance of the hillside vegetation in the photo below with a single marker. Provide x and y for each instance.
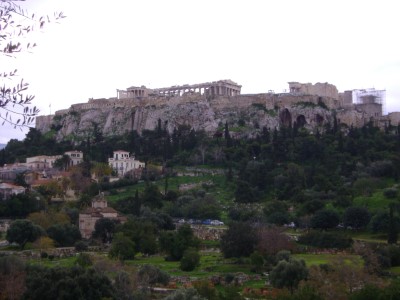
(325, 204)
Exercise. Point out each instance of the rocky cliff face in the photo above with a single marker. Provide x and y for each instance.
(245, 114)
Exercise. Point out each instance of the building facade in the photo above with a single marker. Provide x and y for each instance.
(8, 189)
(98, 210)
(122, 163)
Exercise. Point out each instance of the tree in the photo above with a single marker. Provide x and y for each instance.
(13, 32)
(62, 163)
(101, 170)
(174, 243)
(325, 219)
(356, 217)
(65, 235)
(67, 283)
(20, 205)
(244, 193)
(271, 240)
(152, 197)
(104, 229)
(239, 240)
(122, 247)
(151, 275)
(43, 242)
(48, 219)
(190, 259)
(142, 233)
(288, 274)
(12, 277)
(340, 279)
(23, 231)
(393, 228)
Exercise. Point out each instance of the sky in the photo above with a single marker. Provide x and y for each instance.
(102, 46)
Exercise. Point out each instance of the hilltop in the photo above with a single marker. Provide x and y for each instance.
(209, 106)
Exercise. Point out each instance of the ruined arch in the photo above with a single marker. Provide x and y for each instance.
(285, 118)
(301, 121)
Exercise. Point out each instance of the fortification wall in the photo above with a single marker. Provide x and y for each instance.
(43, 122)
(394, 118)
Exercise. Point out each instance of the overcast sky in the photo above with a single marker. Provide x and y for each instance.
(106, 45)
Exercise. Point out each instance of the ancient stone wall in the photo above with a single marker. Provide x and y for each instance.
(318, 89)
(394, 118)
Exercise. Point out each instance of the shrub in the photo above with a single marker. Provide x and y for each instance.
(81, 246)
(150, 275)
(325, 219)
(190, 260)
(84, 260)
(356, 217)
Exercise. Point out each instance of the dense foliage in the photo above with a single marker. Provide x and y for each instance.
(339, 180)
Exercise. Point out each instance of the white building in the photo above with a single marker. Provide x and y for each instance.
(122, 162)
(76, 157)
(7, 190)
(41, 162)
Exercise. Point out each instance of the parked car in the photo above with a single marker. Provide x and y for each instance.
(206, 222)
(217, 223)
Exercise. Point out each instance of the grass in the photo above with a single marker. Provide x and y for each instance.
(210, 264)
(377, 201)
(51, 263)
(318, 259)
(221, 190)
(367, 236)
(395, 270)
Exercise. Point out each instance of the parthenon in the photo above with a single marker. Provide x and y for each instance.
(215, 88)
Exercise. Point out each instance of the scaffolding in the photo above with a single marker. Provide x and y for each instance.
(370, 96)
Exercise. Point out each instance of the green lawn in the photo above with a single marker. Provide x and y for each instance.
(50, 263)
(210, 264)
(377, 201)
(318, 259)
(395, 270)
(366, 236)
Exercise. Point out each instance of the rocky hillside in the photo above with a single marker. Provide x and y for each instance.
(245, 114)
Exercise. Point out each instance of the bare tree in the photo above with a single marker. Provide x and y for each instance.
(15, 25)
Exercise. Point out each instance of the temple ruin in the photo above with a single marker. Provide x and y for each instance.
(215, 88)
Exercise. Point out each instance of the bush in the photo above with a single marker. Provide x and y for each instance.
(325, 219)
(150, 275)
(356, 217)
(84, 260)
(326, 240)
(81, 246)
(190, 260)
(390, 193)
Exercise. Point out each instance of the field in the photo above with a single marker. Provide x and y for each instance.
(319, 259)
(212, 264)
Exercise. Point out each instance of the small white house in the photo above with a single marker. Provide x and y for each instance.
(76, 157)
(8, 189)
(122, 162)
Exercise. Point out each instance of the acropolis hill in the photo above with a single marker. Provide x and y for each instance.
(207, 106)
